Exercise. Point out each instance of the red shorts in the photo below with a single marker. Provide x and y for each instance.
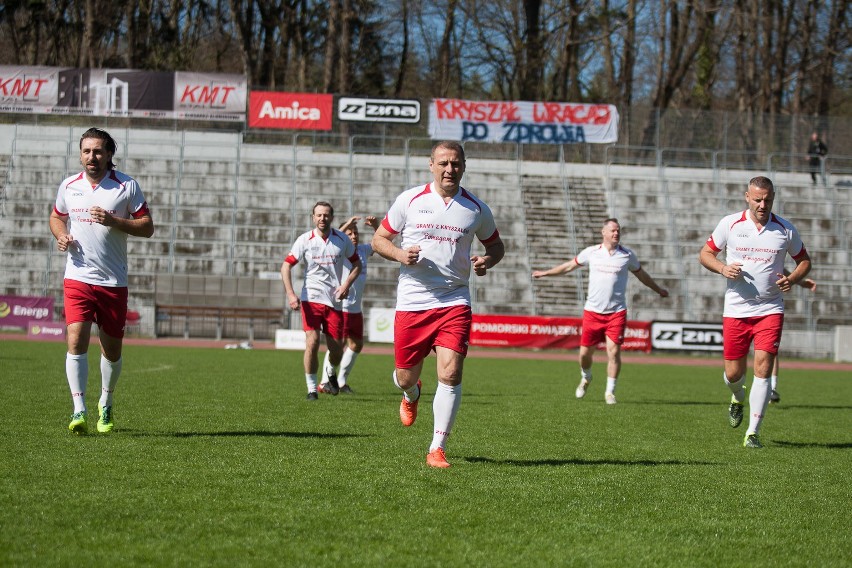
(353, 325)
(597, 326)
(319, 317)
(738, 333)
(417, 333)
(103, 305)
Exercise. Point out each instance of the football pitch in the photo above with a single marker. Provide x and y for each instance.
(218, 460)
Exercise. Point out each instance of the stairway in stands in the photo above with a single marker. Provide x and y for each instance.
(563, 216)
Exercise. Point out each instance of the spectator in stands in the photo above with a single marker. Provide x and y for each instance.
(94, 212)
(353, 318)
(774, 397)
(816, 156)
(605, 312)
(755, 242)
(323, 251)
(437, 222)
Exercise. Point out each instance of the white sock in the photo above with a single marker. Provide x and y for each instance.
(737, 388)
(311, 380)
(444, 408)
(327, 368)
(110, 370)
(774, 382)
(77, 371)
(411, 394)
(610, 385)
(346, 364)
(586, 374)
(757, 402)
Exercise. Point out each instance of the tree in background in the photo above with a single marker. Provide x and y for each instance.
(762, 59)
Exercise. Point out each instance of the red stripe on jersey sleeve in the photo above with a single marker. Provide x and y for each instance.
(493, 237)
(712, 244)
(142, 211)
(291, 260)
(801, 254)
(387, 226)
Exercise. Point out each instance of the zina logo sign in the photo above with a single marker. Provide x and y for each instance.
(378, 110)
(686, 336)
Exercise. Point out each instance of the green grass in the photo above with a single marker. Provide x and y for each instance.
(217, 460)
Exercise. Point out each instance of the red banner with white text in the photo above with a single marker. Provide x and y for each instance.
(532, 332)
(302, 111)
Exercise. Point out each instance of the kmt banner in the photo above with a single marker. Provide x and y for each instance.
(534, 332)
(301, 111)
(19, 311)
(522, 122)
(123, 92)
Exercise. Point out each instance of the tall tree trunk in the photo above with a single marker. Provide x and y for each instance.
(444, 51)
(344, 83)
(531, 74)
(839, 21)
(331, 46)
(403, 58)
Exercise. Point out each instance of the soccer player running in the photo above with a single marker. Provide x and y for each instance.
(756, 243)
(323, 251)
(605, 312)
(437, 223)
(353, 317)
(94, 213)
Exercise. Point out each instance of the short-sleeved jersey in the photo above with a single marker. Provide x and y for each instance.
(99, 253)
(608, 274)
(762, 254)
(352, 302)
(444, 232)
(323, 258)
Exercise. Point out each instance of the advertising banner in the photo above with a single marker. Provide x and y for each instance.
(297, 111)
(46, 330)
(533, 332)
(683, 336)
(122, 92)
(18, 311)
(378, 110)
(523, 122)
(380, 325)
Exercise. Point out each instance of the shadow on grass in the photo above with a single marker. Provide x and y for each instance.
(829, 445)
(245, 434)
(539, 463)
(679, 402)
(783, 407)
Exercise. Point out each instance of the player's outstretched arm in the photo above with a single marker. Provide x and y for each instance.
(563, 268)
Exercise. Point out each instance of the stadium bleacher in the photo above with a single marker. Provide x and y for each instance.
(226, 208)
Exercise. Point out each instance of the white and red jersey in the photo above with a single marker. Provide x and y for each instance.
(323, 264)
(352, 302)
(762, 254)
(444, 232)
(99, 253)
(608, 272)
